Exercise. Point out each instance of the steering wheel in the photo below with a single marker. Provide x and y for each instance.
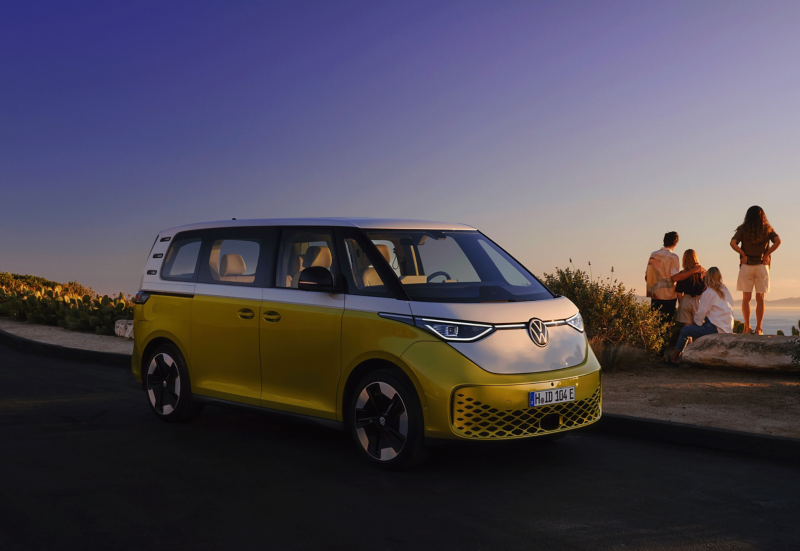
(437, 274)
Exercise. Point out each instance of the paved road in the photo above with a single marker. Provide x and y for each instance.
(85, 465)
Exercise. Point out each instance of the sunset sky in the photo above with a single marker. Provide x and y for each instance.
(580, 130)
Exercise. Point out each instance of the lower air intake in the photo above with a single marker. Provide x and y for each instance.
(473, 418)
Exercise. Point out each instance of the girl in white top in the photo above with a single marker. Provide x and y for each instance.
(714, 314)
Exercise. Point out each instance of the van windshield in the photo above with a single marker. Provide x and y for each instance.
(455, 266)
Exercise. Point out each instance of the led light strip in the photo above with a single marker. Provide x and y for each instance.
(489, 328)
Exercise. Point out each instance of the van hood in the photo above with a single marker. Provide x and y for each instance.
(512, 351)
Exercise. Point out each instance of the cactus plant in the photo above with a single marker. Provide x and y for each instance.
(71, 306)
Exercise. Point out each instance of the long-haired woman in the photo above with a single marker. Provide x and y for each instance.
(714, 314)
(752, 241)
(690, 288)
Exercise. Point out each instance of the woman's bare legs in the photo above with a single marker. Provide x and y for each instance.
(759, 312)
(746, 311)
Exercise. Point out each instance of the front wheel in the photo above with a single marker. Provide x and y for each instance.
(385, 418)
(167, 386)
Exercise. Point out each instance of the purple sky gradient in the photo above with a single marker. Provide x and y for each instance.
(562, 129)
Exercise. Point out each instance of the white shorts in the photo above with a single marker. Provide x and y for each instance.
(753, 276)
(687, 309)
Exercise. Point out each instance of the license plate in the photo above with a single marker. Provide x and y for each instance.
(552, 396)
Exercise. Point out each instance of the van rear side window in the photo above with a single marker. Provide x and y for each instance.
(233, 261)
(180, 263)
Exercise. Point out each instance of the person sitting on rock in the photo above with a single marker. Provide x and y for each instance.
(690, 288)
(714, 314)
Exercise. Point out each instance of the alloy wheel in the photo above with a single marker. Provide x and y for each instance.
(163, 383)
(381, 421)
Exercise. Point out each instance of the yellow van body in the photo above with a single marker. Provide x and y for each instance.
(272, 348)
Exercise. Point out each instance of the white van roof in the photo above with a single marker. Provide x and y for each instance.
(364, 223)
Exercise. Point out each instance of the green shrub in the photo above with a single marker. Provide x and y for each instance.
(71, 306)
(795, 331)
(738, 326)
(780, 333)
(612, 315)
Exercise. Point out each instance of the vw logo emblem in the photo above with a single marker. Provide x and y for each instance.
(538, 332)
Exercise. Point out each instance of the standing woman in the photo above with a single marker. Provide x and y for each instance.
(752, 241)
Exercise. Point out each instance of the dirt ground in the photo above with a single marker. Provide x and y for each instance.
(62, 337)
(764, 403)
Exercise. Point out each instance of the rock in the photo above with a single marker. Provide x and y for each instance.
(124, 328)
(762, 352)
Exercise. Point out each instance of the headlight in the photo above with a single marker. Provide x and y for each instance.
(454, 331)
(576, 321)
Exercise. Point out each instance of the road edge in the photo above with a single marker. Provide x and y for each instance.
(64, 352)
(775, 447)
(761, 445)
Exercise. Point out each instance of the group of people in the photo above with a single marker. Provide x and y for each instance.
(704, 304)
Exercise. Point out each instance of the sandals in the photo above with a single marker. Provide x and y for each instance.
(758, 332)
(669, 362)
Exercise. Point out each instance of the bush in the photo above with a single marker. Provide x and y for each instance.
(738, 327)
(795, 332)
(780, 333)
(611, 356)
(71, 306)
(612, 315)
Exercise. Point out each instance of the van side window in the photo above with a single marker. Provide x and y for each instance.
(181, 260)
(301, 249)
(362, 276)
(232, 259)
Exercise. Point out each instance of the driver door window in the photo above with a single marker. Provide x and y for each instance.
(361, 275)
(301, 249)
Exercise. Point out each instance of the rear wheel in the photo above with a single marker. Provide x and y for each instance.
(167, 386)
(385, 418)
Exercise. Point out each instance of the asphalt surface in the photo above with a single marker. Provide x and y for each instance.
(84, 464)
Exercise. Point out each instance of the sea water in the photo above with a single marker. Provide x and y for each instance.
(774, 318)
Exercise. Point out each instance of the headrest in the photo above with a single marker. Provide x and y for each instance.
(231, 265)
(384, 250)
(318, 256)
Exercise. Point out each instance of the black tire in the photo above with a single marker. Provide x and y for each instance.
(167, 386)
(388, 437)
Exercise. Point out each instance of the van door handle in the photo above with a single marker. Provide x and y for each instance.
(246, 313)
(272, 316)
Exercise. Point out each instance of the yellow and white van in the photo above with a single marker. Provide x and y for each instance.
(400, 331)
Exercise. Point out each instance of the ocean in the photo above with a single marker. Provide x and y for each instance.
(774, 318)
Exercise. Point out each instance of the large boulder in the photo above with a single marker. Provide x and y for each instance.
(762, 352)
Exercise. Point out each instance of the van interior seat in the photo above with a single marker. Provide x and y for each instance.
(369, 276)
(294, 271)
(232, 268)
(314, 256)
(318, 256)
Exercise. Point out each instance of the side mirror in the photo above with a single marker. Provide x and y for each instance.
(316, 278)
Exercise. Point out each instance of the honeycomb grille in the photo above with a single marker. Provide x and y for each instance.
(475, 419)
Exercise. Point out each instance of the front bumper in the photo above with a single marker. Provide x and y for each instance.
(503, 412)
(499, 405)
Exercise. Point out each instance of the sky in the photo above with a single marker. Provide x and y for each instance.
(563, 130)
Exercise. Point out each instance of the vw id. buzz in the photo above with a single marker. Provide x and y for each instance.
(402, 332)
